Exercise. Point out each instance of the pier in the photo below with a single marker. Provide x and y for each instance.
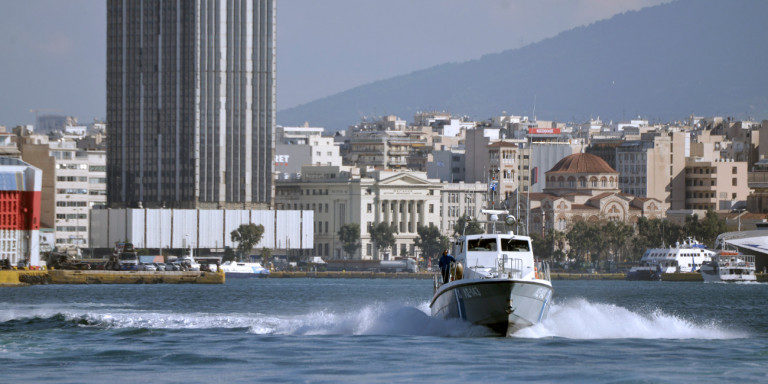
(23, 277)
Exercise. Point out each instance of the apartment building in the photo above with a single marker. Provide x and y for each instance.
(715, 184)
(461, 199)
(296, 147)
(74, 181)
(653, 166)
(448, 165)
(387, 150)
(507, 168)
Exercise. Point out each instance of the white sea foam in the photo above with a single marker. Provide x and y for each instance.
(374, 319)
(573, 319)
(581, 319)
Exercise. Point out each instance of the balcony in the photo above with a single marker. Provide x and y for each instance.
(757, 179)
(701, 188)
(701, 176)
(701, 200)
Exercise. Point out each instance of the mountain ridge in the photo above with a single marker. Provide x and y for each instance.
(664, 62)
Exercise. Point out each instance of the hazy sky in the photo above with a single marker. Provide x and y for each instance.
(52, 52)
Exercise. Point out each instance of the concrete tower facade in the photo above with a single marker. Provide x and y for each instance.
(190, 103)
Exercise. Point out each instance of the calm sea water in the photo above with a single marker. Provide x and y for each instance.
(323, 330)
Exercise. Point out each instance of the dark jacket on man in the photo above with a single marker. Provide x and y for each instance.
(445, 265)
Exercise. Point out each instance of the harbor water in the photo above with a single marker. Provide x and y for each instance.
(377, 330)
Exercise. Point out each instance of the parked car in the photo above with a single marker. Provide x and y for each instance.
(148, 267)
(171, 267)
(160, 266)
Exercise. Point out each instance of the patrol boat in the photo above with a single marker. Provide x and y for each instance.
(495, 281)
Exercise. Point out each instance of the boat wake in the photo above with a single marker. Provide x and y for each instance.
(380, 319)
(573, 319)
(581, 319)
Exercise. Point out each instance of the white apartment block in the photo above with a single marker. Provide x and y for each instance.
(296, 147)
(461, 199)
(74, 182)
(81, 185)
(339, 195)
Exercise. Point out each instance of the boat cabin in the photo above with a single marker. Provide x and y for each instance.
(496, 255)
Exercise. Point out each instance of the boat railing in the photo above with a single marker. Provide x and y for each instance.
(515, 269)
(738, 260)
(542, 270)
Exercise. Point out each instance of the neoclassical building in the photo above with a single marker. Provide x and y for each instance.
(341, 194)
(583, 186)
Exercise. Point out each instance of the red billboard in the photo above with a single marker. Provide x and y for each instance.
(543, 131)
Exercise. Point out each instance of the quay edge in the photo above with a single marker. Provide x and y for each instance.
(22, 277)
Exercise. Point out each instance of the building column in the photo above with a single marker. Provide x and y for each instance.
(413, 216)
(403, 219)
(422, 212)
(396, 214)
(385, 211)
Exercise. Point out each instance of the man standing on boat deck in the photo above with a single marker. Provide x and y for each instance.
(445, 265)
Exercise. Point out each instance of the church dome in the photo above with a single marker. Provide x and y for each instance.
(582, 163)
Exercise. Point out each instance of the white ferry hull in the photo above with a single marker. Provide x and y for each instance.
(244, 274)
(712, 276)
(503, 305)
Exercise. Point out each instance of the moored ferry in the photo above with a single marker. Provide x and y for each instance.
(729, 266)
(243, 269)
(687, 256)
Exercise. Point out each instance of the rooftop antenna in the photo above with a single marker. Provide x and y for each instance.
(534, 108)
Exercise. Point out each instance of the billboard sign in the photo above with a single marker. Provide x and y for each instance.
(543, 131)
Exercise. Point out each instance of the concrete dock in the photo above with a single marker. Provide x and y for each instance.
(21, 277)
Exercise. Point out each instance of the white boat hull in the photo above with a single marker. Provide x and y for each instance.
(712, 275)
(244, 274)
(503, 305)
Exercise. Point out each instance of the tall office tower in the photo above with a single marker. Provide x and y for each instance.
(190, 102)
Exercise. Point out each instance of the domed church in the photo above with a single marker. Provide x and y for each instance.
(583, 186)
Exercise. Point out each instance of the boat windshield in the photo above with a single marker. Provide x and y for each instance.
(482, 245)
(514, 245)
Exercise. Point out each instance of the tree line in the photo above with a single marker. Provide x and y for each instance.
(594, 242)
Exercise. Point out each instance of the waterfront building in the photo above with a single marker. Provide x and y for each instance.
(190, 103)
(208, 231)
(717, 184)
(20, 185)
(342, 194)
(583, 187)
(73, 183)
(653, 166)
(461, 199)
(299, 146)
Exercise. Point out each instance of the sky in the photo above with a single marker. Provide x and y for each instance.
(52, 52)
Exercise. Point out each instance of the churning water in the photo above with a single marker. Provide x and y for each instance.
(377, 331)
